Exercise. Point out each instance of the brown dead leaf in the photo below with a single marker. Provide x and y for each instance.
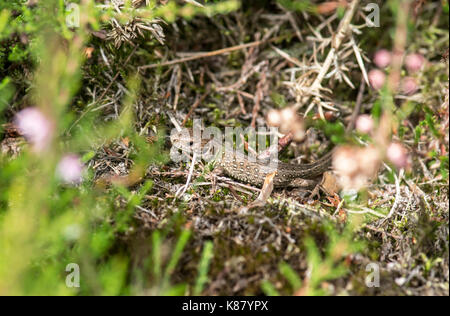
(133, 178)
(265, 193)
(330, 183)
(126, 141)
(88, 52)
(267, 188)
(330, 6)
(342, 216)
(100, 34)
(334, 200)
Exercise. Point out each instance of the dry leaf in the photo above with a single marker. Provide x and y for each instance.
(126, 141)
(88, 52)
(330, 183)
(266, 191)
(330, 6)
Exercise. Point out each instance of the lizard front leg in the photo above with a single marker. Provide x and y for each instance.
(327, 183)
(303, 183)
(302, 187)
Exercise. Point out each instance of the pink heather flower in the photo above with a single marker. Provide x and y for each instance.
(414, 62)
(382, 58)
(298, 129)
(291, 122)
(364, 123)
(377, 78)
(397, 154)
(355, 167)
(70, 169)
(344, 161)
(274, 118)
(288, 115)
(35, 127)
(409, 85)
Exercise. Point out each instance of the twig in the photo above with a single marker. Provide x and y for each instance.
(357, 108)
(195, 105)
(259, 94)
(365, 211)
(292, 21)
(359, 59)
(286, 56)
(146, 211)
(229, 181)
(193, 2)
(209, 54)
(241, 103)
(338, 208)
(246, 94)
(191, 171)
(397, 195)
(294, 26)
(234, 193)
(174, 122)
(178, 74)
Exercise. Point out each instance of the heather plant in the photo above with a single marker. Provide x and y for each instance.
(92, 204)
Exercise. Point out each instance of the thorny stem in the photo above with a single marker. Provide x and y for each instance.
(336, 43)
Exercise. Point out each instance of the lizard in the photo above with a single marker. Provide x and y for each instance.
(254, 172)
(239, 166)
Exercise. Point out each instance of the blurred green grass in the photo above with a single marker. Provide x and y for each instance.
(46, 226)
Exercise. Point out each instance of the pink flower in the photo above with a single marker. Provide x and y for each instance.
(377, 78)
(382, 58)
(274, 118)
(364, 123)
(288, 115)
(355, 167)
(397, 154)
(414, 62)
(409, 85)
(35, 127)
(70, 169)
(288, 121)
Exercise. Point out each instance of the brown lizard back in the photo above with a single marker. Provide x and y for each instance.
(239, 167)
